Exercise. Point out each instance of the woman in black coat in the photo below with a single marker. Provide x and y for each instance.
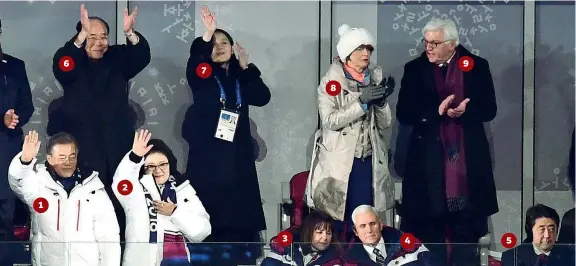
(224, 172)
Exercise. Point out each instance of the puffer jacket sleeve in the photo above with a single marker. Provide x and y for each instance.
(21, 178)
(107, 231)
(128, 169)
(190, 216)
(332, 116)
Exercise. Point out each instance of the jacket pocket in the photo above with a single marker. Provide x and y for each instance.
(335, 140)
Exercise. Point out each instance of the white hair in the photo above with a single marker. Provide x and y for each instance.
(363, 209)
(445, 25)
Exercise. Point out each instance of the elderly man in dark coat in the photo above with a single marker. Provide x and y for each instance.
(95, 108)
(448, 191)
(16, 107)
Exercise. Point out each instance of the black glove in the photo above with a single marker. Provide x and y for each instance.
(371, 93)
(388, 85)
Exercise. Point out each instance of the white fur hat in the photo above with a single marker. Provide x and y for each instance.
(351, 38)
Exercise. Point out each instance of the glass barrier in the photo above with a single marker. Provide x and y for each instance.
(266, 254)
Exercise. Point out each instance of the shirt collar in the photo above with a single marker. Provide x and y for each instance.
(448, 61)
(538, 252)
(380, 246)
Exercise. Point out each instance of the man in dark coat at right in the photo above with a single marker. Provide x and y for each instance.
(540, 248)
(95, 108)
(448, 189)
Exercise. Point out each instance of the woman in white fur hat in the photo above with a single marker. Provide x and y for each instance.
(350, 159)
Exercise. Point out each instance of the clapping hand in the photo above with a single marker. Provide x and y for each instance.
(458, 111)
(30, 147)
(10, 119)
(129, 20)
(208, 18)
(242, 55)
(84, 20)
(140, 146)
(388, 85)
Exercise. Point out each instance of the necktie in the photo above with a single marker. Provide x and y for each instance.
(379, 258)
(542, 260)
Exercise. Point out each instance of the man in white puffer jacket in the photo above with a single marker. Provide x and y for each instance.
(73, 220)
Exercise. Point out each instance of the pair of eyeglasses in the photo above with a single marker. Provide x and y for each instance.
(433, 44)
(71, 159)
(152, 168)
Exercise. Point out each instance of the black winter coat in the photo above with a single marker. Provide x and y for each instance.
(95, 107)
(14, 94)
(423, 186)
(223, 173)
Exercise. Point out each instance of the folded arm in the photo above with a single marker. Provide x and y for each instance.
(254, 89)
(21, 177)
(135, 55)
(24, 106)
(200, 52)
(332, 116)
(128, 169)
(78, 56)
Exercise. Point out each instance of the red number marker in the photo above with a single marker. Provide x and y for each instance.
(508, 240)
(333, 88)
(125, 187)
(66, 63)
(204, 70)
(40, 205)
(466, 63)
(407, 241)
(284, 238)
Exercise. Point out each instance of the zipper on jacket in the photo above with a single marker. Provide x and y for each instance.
(58, 219)
(78, 219)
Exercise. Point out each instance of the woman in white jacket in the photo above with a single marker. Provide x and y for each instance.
(163, 213)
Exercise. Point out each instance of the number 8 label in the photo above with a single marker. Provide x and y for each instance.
(333, 88)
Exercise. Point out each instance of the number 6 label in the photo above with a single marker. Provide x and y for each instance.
(66, 63)
(125, 187)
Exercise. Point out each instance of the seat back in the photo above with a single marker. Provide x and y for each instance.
(297, 189)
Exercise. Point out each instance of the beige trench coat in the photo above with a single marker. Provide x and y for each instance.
(335, 143)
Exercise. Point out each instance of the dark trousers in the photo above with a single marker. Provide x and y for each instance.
(453, 239)
(6, 229)
(359, 192)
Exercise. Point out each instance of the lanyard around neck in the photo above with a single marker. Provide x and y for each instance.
(223, 94)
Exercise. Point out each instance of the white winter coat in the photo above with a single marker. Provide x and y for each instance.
(79, 229)
(190, 217)
(335, 144)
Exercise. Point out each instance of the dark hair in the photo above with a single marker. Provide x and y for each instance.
(225, 34)
(79, 24)
(539, 211)
(60, 138)
(161, 147)
(315, 221)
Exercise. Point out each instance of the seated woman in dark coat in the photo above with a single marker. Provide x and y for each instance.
(318, 245)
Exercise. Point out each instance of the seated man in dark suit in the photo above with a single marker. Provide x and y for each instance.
(381, 244)
(541, 228)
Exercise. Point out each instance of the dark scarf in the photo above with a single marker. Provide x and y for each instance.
(452, 135)
(174, 248)
(68, 183)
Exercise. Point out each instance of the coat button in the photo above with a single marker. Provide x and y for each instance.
(397, 262)
(343, 133)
